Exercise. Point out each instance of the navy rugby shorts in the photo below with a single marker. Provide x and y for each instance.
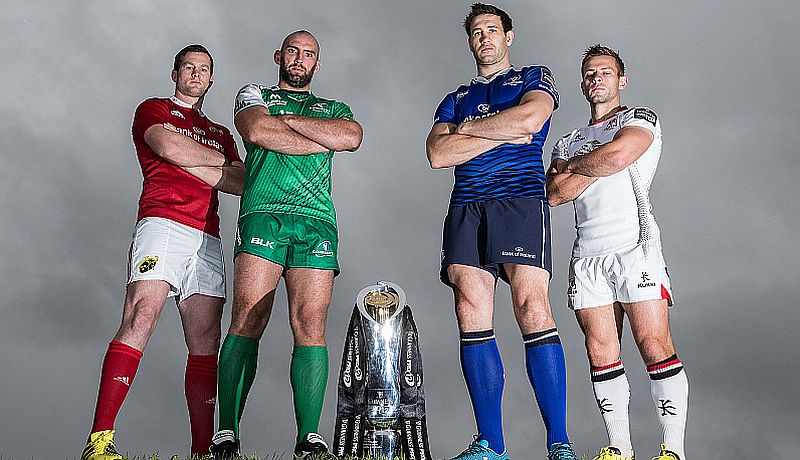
(491, 233)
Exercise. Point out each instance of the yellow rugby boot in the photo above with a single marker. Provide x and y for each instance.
(666, 454)
(611, 453)
(100, 446)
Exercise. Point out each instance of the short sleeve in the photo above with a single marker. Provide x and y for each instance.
(560, 150)
(643, 117)
(148, 113)
(540, 78)
(231, 151)
(248, 96)
(446, 112)
(342, 111)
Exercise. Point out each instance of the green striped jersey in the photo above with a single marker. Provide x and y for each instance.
(288, 184)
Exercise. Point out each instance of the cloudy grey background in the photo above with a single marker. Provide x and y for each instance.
(721, 75)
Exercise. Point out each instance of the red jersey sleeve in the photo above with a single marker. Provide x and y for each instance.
(231, 151)
(149, 113)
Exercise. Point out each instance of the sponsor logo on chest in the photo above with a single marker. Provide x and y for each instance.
(321, 107)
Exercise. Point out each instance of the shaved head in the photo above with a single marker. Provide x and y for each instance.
(297, 33)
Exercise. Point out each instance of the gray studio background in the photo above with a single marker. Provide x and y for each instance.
(721, 75)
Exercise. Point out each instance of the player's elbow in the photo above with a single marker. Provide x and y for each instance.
(352, 140)
(534, 124)
(437, 161)
(554, 196)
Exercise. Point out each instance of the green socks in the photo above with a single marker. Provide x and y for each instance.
(235, 375)
(309, 377)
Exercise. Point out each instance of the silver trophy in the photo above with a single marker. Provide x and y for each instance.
(381, 405)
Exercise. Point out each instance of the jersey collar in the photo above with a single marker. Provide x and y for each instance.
(482, 79)
(609, 115)
(185, 105)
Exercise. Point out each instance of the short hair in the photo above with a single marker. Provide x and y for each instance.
(195, 48)
(600, 50)
(483, 8)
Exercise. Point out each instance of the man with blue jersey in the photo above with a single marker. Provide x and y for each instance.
(492, 131)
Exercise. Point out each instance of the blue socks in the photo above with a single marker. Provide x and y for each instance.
(484, 375)
(544, 359)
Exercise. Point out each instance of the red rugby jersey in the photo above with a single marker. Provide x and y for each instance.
(168, 191)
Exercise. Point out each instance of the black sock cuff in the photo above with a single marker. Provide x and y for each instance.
(666, 368)
(546, 337)
(607, 372)
(476, 337)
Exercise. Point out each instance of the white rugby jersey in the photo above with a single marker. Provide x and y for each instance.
(614, 213)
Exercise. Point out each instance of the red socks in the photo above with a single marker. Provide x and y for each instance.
(116, 377)
(201, 393)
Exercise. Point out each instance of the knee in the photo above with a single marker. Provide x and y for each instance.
(655, 348)
(140, 315)
(308, 324)
(602, 350)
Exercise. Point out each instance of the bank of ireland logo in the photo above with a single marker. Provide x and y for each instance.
(324, 249)
(148, 264)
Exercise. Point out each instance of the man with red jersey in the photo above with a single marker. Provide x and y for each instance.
(176, 250)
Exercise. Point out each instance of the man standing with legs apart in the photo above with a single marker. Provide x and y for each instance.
(492, 130)
(287, 227)
(176, 249)
(617, 267)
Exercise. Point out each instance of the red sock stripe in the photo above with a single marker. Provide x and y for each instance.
(202, 365)
(607, 372)
(119, 347)
(668, 363)
(607, 367)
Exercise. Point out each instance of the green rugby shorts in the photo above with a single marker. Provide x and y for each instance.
(289, 240)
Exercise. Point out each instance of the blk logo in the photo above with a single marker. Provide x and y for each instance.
(666, 407)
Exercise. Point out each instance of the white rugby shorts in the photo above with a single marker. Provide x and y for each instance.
(633, 275)
(188, 259)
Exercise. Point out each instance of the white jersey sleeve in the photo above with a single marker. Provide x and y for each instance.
(642, 117)
(560, 150)
(249, 96)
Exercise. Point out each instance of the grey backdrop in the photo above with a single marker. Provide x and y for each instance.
(721, 75)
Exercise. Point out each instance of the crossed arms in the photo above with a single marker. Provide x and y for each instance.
(204, 163)
(567, 179)
(297, 134)
(450, 145)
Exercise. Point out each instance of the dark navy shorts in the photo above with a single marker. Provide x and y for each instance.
(491, 233)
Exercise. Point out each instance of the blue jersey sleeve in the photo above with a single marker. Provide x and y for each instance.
(446, 112)
(540, 78)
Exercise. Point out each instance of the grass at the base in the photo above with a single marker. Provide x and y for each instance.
(274, 456)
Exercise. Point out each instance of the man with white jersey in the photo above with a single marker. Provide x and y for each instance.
(176, 250)
(617, 268)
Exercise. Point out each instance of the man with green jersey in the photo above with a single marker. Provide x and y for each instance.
(287, 227)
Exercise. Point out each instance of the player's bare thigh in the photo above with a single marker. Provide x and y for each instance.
(600, 329)
(529, 294)
(649, 320)
(254, 282)
(309, 293)
(144, 302)
(473, 291)
(201, 316)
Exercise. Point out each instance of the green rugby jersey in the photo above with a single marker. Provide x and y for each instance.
(288, 184)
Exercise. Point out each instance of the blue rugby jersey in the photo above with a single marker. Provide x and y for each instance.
(506, 171)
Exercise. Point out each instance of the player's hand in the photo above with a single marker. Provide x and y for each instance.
(170, 127)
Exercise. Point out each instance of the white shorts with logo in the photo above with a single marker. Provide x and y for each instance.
(188, 259)
(633, 275)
